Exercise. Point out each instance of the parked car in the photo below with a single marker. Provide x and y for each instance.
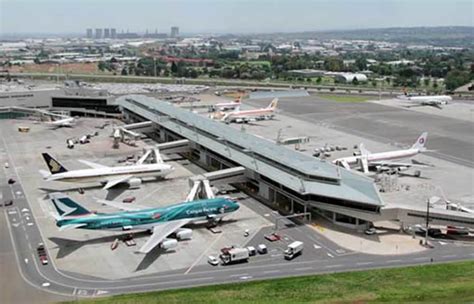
(130, 199)
(8, 203)
(252, 250)
(262, 249)
(273, 237)
(212, 260)
(11, 181)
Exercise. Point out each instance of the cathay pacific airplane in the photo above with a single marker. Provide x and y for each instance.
(161, 221)
(110, 176)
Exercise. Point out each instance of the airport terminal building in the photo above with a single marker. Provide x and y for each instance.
(287, 180)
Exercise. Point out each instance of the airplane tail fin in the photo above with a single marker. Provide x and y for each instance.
(273, 104)
(65, 206)
(420, 142)
(363, 150)
(53, 165)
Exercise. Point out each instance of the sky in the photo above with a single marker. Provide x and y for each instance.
(228, 16)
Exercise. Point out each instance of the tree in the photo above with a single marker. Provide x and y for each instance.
(319, 79)
(174, 68)
(124, 71)
(355, 81)
(455, 79)
(426, 81)
(374, 83)
(102, 66)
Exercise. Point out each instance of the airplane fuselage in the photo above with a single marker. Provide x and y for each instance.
(145, 219)
(391, 155)
(102, 174)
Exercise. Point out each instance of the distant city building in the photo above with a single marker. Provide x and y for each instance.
(89, 33)
(155, 35)
(106, 33)
(174, 31)
(113, 33)
(98, 33)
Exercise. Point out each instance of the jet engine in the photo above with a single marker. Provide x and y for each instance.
(134, 182)
(184, 234)
(168, 243)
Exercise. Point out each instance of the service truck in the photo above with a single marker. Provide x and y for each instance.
(234, 255)
(293, 250)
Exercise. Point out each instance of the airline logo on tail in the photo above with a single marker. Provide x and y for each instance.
(420, 142)
(65, 206)
(55, 167)
(273, 104)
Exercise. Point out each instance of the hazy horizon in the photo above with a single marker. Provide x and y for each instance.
(221, 16)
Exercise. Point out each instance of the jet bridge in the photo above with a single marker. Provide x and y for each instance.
(128, 134)
(201, 184)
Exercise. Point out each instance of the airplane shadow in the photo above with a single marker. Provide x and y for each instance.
(151, 257)
(68, 246)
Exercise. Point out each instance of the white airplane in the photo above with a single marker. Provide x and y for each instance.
(433, 101)
(110, 176)
(59, 120)
(381, 161)
(226, 106)
(248, 115)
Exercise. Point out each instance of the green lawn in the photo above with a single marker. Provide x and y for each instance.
(345, 98)
(443, 283)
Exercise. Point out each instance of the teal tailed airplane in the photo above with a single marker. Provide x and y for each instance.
(161, 221)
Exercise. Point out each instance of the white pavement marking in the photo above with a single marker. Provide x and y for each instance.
(449, 256)
(419, 259)
(330, 255)
(316, 246)
(364, 263)
(238, 275)
(333, 266)
(393, 261)
(203, 253)
(271, 271)
(303, 268)
(245, 277)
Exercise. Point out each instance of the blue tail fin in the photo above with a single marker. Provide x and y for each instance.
(65, 206)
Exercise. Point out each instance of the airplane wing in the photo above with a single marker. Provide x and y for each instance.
(122, 206)
(92, 165)
(70, 227)
(398, 164)
(160, 232)
(116, 181)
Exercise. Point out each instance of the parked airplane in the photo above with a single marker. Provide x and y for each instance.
(59, 120)
(226, 106)
(161, 221)
(433, 101)
(110, 176)
(381, 161)
(249, 115)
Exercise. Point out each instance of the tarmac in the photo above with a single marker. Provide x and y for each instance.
(82, 263)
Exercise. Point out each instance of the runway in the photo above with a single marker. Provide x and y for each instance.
(450, 138)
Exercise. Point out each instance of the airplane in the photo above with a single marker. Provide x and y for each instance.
(380, 161)
(110, 176)
(226, 106)
(59, 120)
(248, 115)
(433, 101)
(162, 222)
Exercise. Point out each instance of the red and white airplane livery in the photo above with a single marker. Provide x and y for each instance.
(248, 115)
